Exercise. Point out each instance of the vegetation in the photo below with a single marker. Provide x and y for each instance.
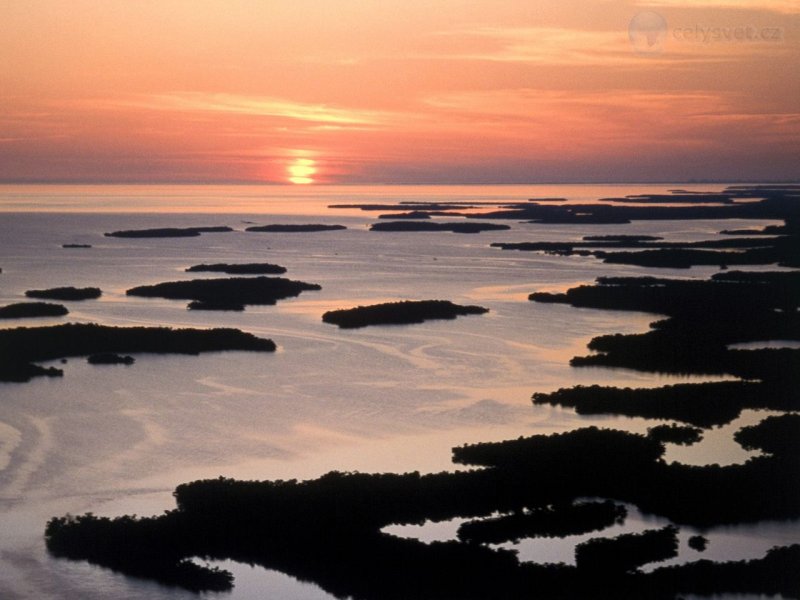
(76, 245)
(676, 255)
(24, 310)
(399, 313)
(698, 542)
(167, 232)
(328, 529)
(109, 358)
(676, 434)
(549, 521)
(239, 269)
(779, 435)
(609, 556)
(22, 346)
(66, 293)
(705, 318)
(776, 202)
(458, 227)
(700, 404)
(295, 228)
(414, 214)
(228, 294)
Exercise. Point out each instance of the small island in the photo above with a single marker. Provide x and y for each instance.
(109, 358)
(294, 228)
(225, 294)
(21, 347)
(167, 232)
(76, 245)
(66, 293)
(698, 543)
(399, 313)
(455, 227)
(239, 269)
(549, 521)
(24, 310)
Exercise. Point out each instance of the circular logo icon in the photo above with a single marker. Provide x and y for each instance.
(647, 32)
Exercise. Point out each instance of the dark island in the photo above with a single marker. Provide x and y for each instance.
(638, 250)
(626, 552)
(225, 294)
(295, 228)
(560, 520)
(22, 346)
(239, 269)
(328, 530)
(24, 310)
(66, 293)
(76, 245)
(455, 227)
(742, 202)
(414, 214)
(168, 232)
(109, 358)
(779, 435)
(399, 313)
(698, 542)
(676, 434)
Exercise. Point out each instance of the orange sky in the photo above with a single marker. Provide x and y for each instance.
(407, 91)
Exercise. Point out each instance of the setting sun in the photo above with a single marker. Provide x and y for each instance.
(301, 170)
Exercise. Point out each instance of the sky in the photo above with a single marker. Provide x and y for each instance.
(399, 91)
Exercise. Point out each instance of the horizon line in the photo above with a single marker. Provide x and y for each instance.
(406, 183)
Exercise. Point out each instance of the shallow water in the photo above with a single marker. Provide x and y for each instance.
(117, 440)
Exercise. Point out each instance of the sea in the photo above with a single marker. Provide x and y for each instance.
(116, 440)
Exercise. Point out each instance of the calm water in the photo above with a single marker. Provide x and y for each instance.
(115, 440)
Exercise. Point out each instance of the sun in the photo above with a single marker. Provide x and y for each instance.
(301, 169)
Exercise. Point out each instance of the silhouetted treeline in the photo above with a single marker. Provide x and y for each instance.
(779, 435)
(779, 203)
(110, 358)
(21, 346)
(610, 556)
(23, 310)
(698, 542)
(278, 228)
(706, 316)
(676, 434)
(676, 197)
(702, 404)
(167, 232)
(328, 530)
(240, 269)
(558, 520)
(436, 226)
(412, 206)
(775, 574)
(232, 293)
(775, 203)
(399, 313)
(735, 202)
(414, 214)
(66, 293)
